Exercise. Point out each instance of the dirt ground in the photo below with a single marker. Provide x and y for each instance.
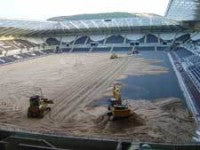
(74, 81)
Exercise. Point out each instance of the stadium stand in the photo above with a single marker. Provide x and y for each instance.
(8, 45)
(145, 48)
(182, 52)
(151, 38)
(134, 41)
(101, 41)
(187, 60)
(81, 49)
(193, 59)
(93, 43)
(117, 49)
(105, 37)
(25, 43)
(183, 38)
(141, 40)
(101, 49)
(189, 74)
(81, 40)
(115, 39)
(52, 41)
(89, 43)
(97, 38)
(64, 50)
(195, 70)
(24, 56)
(162, 48)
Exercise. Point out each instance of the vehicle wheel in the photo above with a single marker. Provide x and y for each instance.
(109, 113)
(48, 109)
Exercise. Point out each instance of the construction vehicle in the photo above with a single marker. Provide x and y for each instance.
(38, 106)
(114, 56)
(134, 51)
(117, 107)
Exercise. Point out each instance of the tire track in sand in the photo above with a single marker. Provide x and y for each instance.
(77, 91)
(81, 98)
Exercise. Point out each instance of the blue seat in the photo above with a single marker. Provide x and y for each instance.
(52, 41)
(65, 50)
(81, 40)
(115, 39)
(6, 59)
(182, 52)
(101, 49)
(81, 49)
(152, 38)
(117, 49)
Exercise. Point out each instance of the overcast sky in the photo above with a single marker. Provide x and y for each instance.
(43, 9)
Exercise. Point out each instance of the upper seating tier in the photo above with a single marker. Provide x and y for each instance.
(16, 44)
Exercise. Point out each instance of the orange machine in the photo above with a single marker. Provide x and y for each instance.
(117, 108)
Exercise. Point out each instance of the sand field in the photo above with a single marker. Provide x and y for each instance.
(74, 82)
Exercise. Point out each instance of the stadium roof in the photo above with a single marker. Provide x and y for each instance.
(94, 16)
(108, 22)
(183, 10)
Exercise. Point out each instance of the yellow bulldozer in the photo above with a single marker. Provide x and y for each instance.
(38, 106)
(117, 108)
(114, 56)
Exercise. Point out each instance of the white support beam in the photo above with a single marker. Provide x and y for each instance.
(105, 25)
(111, 50)
(128, 25)
(74, 25)
(116, 24)
(96, 25)
(86, 26)
(64, 26)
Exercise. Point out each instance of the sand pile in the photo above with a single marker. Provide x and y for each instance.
(160, 121)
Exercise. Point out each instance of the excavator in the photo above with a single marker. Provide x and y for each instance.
(117, 108)
(38, 106)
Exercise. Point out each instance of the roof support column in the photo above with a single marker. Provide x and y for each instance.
(104, 42)
(124, 39)
(73, 44)
(145, 38)
(86, 41)
(159, 38)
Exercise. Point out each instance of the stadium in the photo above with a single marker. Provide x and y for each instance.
(68, 60)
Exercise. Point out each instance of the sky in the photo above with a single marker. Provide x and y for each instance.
(44, 9)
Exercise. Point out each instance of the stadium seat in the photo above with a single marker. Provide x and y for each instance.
(182, 52)
(118, 49)
(183, 38)
(101, 49)
(152, 38)
(115, 39)
(81, 49)
(52, 41)
(81, 40)
(145, 48)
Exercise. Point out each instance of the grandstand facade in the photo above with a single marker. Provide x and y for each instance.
(88, 33)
